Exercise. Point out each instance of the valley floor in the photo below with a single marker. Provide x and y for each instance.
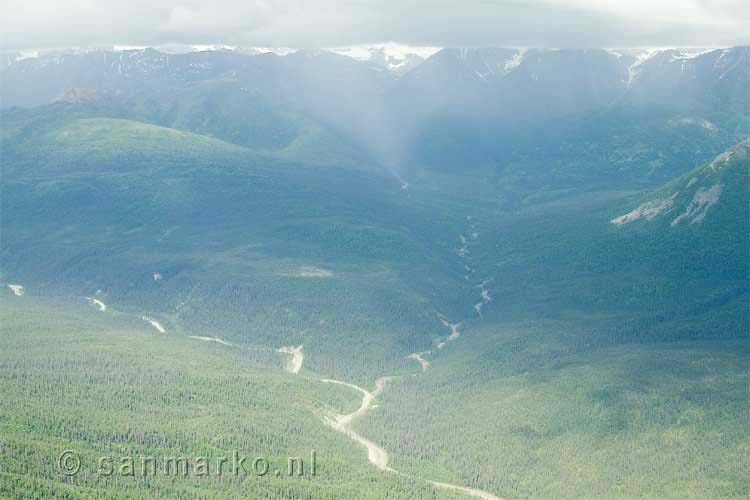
(662, 421)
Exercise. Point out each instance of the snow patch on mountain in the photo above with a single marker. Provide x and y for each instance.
(640, 58)
(392, 56)
(125, 48)
(279, 51)
(514, 61)
(678, 54)
(213, 48)
(691, 52)
(27, 54)
(615, 52)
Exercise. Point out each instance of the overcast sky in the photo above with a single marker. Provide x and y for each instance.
(29, 24)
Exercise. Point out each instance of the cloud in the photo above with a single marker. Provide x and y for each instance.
(319, 23)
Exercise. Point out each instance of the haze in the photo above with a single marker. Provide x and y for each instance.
(536, 23)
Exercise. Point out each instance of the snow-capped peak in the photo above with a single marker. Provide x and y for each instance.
(126, 48)
(691, 53)
(186, 49)
(27, 54)
(641, 57)
(393, 56)
(279, 51)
